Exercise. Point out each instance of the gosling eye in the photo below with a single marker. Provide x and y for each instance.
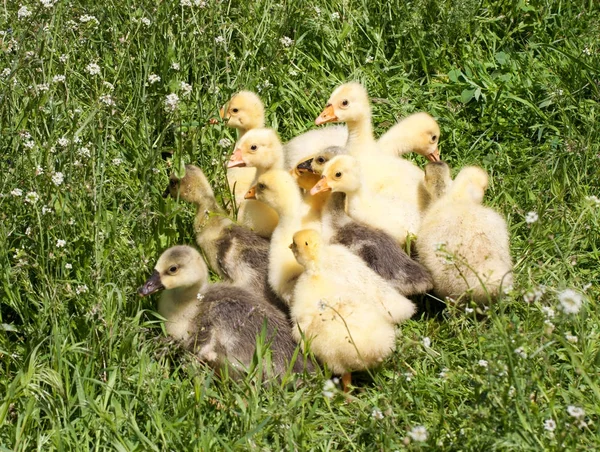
(235, 110)
(172, 182)
(173, 269)
(261, 187)
(306, 243)
(254, 147)
(338, 174)
(321, 160)
(345, 102)
(433, 137)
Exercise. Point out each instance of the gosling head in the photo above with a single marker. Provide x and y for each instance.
(306, 247)
(421, 134)
(179, 267)
(316, 163)
(437, 179)
(259, 148)
(470, 184)
(348, 103)
(277, 189)
(305, 179)
(244, 111)
(190, 186)
(340, 174)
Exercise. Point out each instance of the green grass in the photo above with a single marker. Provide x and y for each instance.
(515, 85)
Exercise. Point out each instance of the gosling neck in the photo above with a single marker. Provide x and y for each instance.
(360, 135)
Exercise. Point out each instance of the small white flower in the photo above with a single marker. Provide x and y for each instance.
(60, 243)
(186, 3)
(43, 87)
(286, 41)
(593, 199)
(58, 178)
(548, 327)
(200, 3)
(587, 51)
(83, 151)
(58, 79)
(571, 338)
(171, 102)
(63, 58)
(521, 352)
(575, 411)
(23, 12)
(318, 10)
(186, 89)
(225, 142)
(220, 40)
(293, 72)
(469, 310)
(482, 363)
(146, 21)
(5, 72)
(64, 142)
(175, 66)
(107, 99)
(48, 3)
(46, 210)
(426, 342)
(548, 312)
(369, 59)
(32, 197)
(117, 161)
(16, 192)
(93, 69)
(444, 373)
(28, 231)
(418, 433)
(335, 15)
(153, 78)
(531, 217)
(68, 266)
(376, 414)
(328, 389)
(39, 171)
(88, 18)
(81, 289)
(108, 85)
(570, 301)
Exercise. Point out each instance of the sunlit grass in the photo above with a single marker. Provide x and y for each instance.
(515, 88)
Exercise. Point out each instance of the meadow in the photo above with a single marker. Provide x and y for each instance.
(98, 100)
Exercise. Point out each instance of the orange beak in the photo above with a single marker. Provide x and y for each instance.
(327, 115)
(321, 186)
(251, 194)
(236, 159)
(222, 112)
(434, 156)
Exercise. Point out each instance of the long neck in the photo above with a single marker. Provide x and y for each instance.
(290, 212)
(360, 135)
(205, 202)
(175, 302)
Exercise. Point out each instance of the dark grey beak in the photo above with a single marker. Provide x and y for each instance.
(305, 166)
(152, 285)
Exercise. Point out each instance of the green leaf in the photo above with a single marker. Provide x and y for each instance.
(467, 95)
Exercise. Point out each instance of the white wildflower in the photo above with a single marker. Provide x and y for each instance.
(200, 3)
(153, 78)
(220, 40)
(548, 312)
(328, 389)
(171, 102)
(286, 41)
(369, 59)
(521, 352)
(117, 161)
(48, 3)
(108, 85)
(32, 197)
(39, 171)
(335, 15)
(16, 192)
(107, 99)
(88, 18)
(23, 12)
(29, 144)
(549, 425)
(593, 199)
(418, 433)
(84, 151)
(376, 414)
(570, 301)
(58, 79)
(531, 217)
(60, 243)
(318, 10)
(186, 89)
(444, 373)
(225, 142)
(175, 66)
(587, 51)
(145, 21)
(46, 210)
(81, 289)
(63, 142)
(571, 338)
(43, 87)
(58, 178)
(186, 3)
(575, 411)
(469, 310)
(93, 69)
(68, 266)
(293, 72)
(5, 72)
(426, 342)
(482, 363)
(548, 327)
(63, 58)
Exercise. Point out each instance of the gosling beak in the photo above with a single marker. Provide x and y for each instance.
(236, 159)
(327, 115)
(251, 194)
(305, 166)
(320, 186)
(434, 156)
(222, 112)
(152, 285)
